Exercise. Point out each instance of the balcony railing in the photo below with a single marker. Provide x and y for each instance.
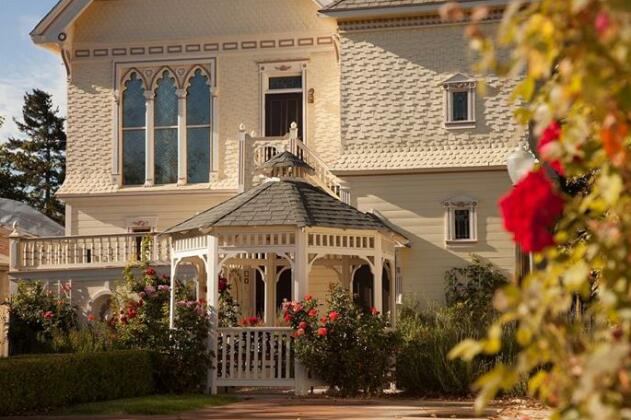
(97, 251)
(255, 151)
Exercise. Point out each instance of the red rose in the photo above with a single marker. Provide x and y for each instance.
(48, 314)
(602, 23)
(302, 325)
(324, 320)
(91, 317)
(287, 317)
(374, 311)
(322, 332)
(308, 298)
(313, 312)
(530, 210)
(550, 135)
(333, 316)
(131, 313)
(150, 271)
(300, 332)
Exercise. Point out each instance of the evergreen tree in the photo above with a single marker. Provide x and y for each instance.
(10, 184)
(38, 159)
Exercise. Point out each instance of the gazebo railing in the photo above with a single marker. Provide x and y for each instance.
(255, 356)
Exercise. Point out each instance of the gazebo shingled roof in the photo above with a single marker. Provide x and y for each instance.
(278, 202)
(286, 159)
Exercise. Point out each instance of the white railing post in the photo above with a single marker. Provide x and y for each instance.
(14, 249)
(212, 298)
(300, 287)
(242, 158)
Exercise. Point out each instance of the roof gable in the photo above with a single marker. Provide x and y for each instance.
(54, 27)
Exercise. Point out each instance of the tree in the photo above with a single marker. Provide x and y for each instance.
(9, 182)
(38, 159)
(575, 63)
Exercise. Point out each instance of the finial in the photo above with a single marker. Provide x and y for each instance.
(15, 229)
(293, 125)
(242, 127)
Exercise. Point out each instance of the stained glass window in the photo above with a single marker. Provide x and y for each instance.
(460, 106)
(134, 110)
(165, 130)
(198, 128)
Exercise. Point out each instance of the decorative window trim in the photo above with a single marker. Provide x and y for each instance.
(270, 69)
(459, 83)
(460, 203)
(141, 222)
(150, 72)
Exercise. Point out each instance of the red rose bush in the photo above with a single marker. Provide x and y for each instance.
(333, 344)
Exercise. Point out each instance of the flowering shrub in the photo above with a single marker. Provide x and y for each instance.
(141, 321)
(334, 345)
(574, 62)
(36, 315)
(251, 321)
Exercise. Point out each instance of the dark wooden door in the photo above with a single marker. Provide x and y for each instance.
(281, 109)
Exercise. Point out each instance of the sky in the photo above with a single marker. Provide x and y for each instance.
(23, 65)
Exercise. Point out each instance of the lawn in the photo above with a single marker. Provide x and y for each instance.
(154, 404)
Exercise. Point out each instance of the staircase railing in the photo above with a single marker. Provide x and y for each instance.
(255, 151)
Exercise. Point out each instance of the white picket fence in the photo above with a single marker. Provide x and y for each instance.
(256, 356)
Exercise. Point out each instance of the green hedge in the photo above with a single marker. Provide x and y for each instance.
(39, 383)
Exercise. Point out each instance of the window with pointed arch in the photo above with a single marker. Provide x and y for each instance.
(198, 103)
(169, 99)
(165, 120)
(134, 131)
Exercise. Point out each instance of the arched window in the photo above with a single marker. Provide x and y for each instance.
(198, 128)
(134, 131)
(283, 288)
(165, 130)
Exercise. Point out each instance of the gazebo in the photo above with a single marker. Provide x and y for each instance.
(280, 229)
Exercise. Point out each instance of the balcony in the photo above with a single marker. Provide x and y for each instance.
(97, 251)
(255, 151)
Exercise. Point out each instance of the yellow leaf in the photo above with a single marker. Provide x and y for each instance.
(465, 350)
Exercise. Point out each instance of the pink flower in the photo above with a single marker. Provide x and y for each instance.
(549, 138)
(374, 311)
(333, 316)
(164, 288)
(91, 317)
(150, 271)
(150, 290)
(308, 298)
(302, 325)
(313, 312)
(48, 314)
(602, 22)
(297, 306)
(322, 332)
(300, 332)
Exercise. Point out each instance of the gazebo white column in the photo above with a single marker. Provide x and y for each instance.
(300, 276)
(270, 289)
(174, 262)
(212, 296)
(378, 276)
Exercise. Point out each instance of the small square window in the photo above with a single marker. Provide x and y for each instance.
(460, 106)
(460, 220)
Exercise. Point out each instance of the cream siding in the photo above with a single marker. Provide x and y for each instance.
(414, 203)
(106, 215)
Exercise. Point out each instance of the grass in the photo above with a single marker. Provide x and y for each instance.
(150, 405)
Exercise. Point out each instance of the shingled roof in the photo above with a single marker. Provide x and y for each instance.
(286, 160)
(287, 202)
(362, 4)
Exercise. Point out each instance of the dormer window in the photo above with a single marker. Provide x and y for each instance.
(460, 220)
(459, 101)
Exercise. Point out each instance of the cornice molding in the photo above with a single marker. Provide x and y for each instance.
(409, 22)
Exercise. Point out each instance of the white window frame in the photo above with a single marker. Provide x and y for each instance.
(269, 69)
(460, 203)
(150, 72)
(459, 83)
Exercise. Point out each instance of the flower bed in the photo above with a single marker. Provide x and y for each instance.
(39, 383)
